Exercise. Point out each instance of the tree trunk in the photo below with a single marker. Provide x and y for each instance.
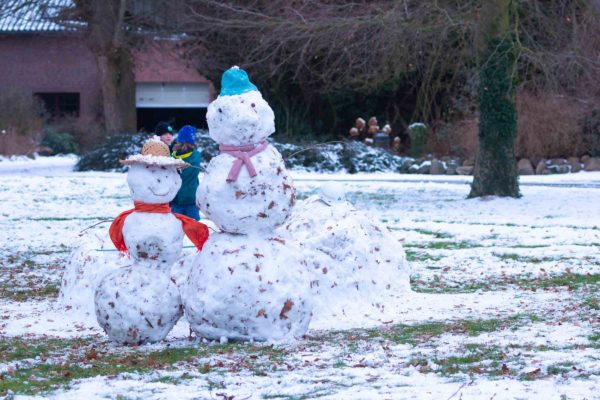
(118, 91)
(107, 39)
(498, 49)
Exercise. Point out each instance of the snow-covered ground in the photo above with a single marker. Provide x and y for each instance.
(505, 302)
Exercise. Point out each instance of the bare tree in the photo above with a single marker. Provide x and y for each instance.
(328, 46)
(107, 39)
(417, 51)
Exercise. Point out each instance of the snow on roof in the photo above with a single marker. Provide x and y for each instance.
(32, 16)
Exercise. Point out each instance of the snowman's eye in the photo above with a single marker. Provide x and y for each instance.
(253, 105)
(163, 167)
(220, 110)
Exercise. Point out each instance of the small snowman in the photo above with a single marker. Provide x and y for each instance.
(246, 188)
(141, 303)
(247, 283)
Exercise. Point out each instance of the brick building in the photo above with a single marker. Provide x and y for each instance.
(53, 63)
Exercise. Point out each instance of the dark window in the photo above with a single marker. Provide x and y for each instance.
(60, 104)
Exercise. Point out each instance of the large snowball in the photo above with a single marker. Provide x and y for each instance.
(87, 264)
(245, 287)
(153, 184)
(241, 119)
(137, 304)
(153, 238)
(247, 204)
(357, 267)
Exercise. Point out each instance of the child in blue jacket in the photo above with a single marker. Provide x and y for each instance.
(185, 149)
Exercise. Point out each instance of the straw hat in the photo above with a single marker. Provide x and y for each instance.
(155, 153)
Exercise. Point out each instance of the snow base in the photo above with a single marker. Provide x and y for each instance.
(248, 288)
(357, 268)
(87, 265)
(137, 304)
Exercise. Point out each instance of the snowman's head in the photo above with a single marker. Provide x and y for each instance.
(153, 184)
(239, 115)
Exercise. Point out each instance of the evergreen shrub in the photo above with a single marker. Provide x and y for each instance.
(591, 133)
(106, 155)
(349, 156)
(59, 142)
(418, 139)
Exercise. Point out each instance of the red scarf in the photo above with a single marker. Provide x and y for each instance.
(194, 230)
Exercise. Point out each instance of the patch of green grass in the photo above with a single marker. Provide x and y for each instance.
(476, 359)
(445, 245)
(436, 234)
(19, 294)
(19, 349)
(380, 198)
(419, 256)
(528, 246)
(313, 394)
(592, 302)
(76, 218)
(167, 379)
(509, 224)
(421, 333)
(559, 369)
(595, 337)
(85, 361)
(570, 281)
(526, 259)
(437, 286)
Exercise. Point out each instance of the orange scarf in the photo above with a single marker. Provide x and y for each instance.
(194, 230)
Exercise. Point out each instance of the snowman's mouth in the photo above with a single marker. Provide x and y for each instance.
(159, 194)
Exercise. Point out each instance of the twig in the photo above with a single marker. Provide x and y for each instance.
(311, 147)
(458, 390)
(91, 226)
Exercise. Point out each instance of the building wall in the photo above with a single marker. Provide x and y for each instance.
(51, 63)
(160, 61)
(60, 62)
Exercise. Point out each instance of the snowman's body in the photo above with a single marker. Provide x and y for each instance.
(140, 303)
(249, 286)
(137, 304)
(249, 203)
(153, 238)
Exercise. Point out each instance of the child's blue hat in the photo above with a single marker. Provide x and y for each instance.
(187, 134)
(235, 81)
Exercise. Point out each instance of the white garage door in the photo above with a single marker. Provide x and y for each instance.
(171, 95)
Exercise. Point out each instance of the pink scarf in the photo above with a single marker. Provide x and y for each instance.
(242, 154)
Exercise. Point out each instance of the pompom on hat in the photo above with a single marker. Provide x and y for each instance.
(235, 81)
(155, 153)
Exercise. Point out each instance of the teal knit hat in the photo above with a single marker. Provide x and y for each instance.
(235, 81)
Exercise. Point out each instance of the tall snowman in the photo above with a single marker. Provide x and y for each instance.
(140, 303)
(247, 283)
